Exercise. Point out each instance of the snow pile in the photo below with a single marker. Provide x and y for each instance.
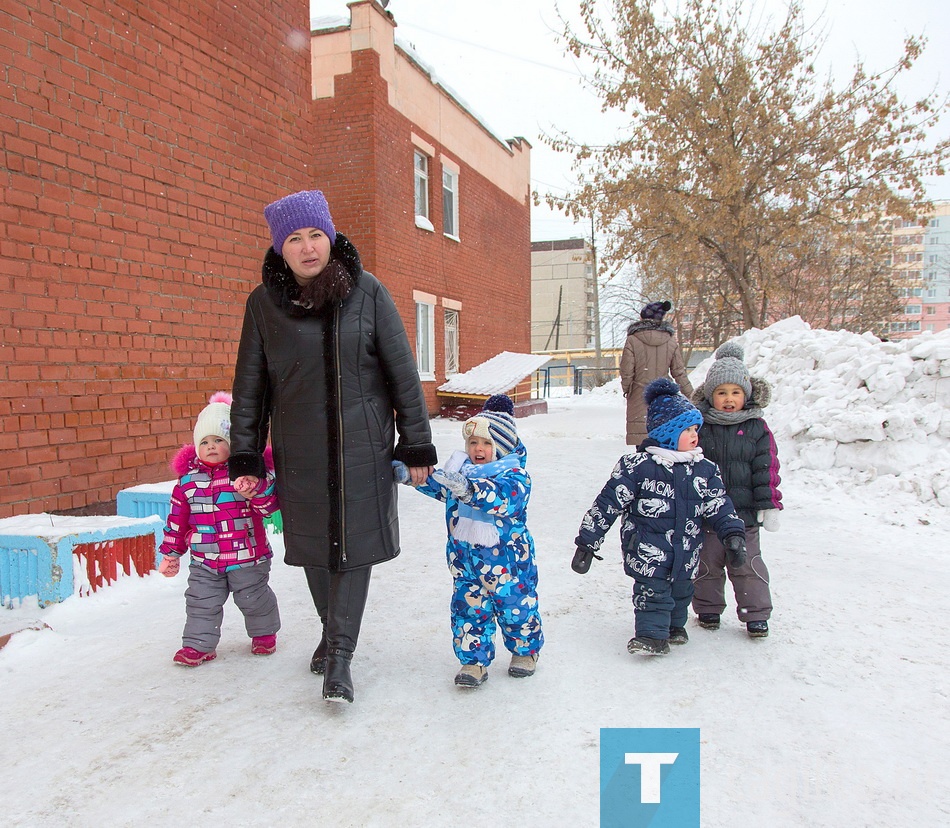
(849, 402)
(853, 406)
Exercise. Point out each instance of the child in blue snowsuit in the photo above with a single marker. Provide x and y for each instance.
(490, 551)
(665, 492)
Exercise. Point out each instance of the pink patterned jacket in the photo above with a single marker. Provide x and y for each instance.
(222, 529)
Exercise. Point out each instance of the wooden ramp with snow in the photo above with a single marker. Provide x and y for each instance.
(506, 373)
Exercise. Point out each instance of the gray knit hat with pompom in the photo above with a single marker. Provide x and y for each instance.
(728, 369)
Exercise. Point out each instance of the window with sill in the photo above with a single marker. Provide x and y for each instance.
(451, 342)
(450, 203)
(420, 167)
(425, 340)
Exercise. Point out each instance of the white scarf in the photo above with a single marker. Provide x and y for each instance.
(667, 457)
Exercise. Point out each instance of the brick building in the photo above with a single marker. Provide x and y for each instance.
(140, 142)
(436, 203)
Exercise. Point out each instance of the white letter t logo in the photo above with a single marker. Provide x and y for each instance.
(649, 772)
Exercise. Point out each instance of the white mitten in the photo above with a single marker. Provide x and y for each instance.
(769, 519)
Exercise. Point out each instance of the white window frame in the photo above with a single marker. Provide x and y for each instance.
(450, 199)
(425, 334)
(420, 185)
(451, 321)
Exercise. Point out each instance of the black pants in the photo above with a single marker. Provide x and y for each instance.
(340, 598)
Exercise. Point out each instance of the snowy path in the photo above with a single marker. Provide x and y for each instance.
(839, 718)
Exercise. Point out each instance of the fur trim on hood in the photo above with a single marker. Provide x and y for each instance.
(186, 460)
(649, 325)
(283, 288)
(761, 394)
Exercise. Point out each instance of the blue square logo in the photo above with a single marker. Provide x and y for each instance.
(649, 777)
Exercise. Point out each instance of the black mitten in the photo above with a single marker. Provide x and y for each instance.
(582, 560)
(735, 549)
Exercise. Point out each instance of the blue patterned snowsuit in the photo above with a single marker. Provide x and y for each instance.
(497, 583)
(664, 506)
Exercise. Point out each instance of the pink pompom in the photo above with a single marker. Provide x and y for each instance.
(221, 397)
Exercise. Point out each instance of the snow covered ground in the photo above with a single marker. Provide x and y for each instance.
(839, 718)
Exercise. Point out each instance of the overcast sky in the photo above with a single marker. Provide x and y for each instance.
(503, 60)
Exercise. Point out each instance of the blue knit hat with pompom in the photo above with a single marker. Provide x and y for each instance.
(669, 413)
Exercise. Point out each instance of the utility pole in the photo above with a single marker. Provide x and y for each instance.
(597, 349)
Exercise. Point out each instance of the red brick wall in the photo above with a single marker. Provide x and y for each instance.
(365, 168)
(140, 142)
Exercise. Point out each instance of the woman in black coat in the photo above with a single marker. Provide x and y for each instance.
(325, 366)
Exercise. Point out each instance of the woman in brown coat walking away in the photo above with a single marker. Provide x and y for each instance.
(651, 351)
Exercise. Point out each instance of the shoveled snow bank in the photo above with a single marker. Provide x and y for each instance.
(853, 405)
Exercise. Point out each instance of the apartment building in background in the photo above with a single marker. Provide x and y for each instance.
(562, 295)
(921, 267)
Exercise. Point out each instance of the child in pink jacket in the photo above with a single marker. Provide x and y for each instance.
(223, 526)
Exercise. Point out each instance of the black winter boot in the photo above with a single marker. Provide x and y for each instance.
(318, 664)
(648, 646)
(709, 621)
(757, 629)
(348, 591)
(318, 580)
(678, 635)
(337, 682)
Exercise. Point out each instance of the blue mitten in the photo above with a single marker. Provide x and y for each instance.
(401, 472)
(458, 485)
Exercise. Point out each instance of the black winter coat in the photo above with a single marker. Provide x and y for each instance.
(745, 453)
(332, 385)
(748, 461)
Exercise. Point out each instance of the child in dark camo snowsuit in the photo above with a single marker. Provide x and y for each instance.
(664, 492)
(490, 550)
(736, 437)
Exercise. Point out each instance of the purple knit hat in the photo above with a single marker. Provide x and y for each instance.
(655, 310)
(287, 215)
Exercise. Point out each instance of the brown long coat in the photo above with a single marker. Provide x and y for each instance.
(651, 351)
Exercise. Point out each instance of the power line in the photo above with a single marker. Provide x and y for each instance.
(510, 55)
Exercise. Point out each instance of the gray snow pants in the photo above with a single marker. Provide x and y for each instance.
(204, 603)
(750, 581)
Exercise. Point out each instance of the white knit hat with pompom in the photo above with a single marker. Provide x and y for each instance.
(215, 418)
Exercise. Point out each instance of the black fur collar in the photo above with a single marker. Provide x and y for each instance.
(283, 288)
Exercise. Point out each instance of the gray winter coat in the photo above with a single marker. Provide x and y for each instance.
(332, 385)
(651, 351)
